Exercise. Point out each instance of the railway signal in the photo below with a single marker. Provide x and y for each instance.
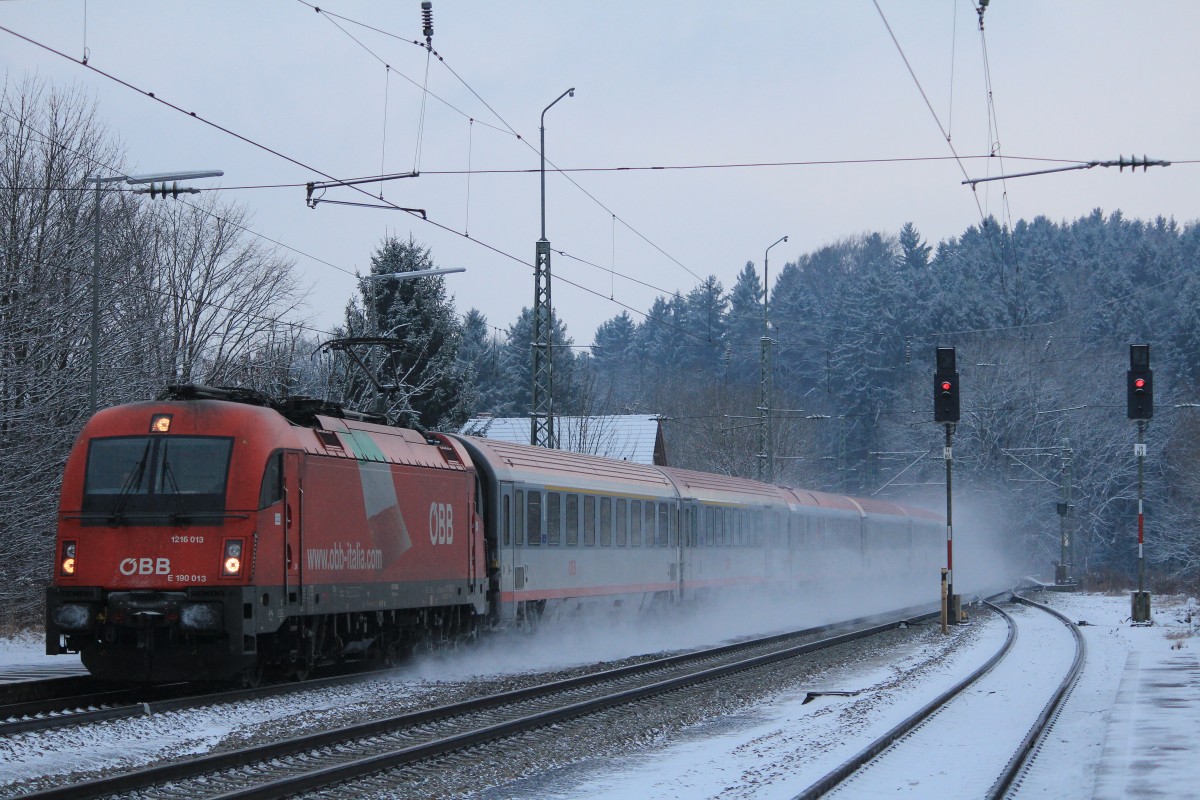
(1139, 383)
(946, 410)
(945, 387)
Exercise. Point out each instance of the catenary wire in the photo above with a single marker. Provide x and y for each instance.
(491, 247)
(301, 164)
(511, 130)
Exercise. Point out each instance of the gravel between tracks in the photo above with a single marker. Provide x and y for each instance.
(549, 761)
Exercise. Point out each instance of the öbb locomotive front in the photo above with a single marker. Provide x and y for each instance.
(217, 534)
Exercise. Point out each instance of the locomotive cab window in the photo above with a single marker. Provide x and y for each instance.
(272, 482)
(131, 479)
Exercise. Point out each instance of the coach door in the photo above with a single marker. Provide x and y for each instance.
(293, 542)
(510, 514)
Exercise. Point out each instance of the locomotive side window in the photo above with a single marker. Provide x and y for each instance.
(605, 521)
(554, 518)
(519, 517)
(622, 530)
(272, 482)
(140, 476)
(533, 518)
(589, 521)
(572, 520)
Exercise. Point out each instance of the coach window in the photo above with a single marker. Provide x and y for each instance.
(621, 534)
(519, 517)
(553, 517)
(272, 482)
(533, 518)
(589, 521)
(666, 521)
(635, 523)
(656, 535)
(572, 520)
(507, 520)
(605, 521)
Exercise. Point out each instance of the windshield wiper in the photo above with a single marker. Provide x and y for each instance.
(169, 476)
(131, 482)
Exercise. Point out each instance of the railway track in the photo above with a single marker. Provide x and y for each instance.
(76, 707)
(310, 763)
(988, 715)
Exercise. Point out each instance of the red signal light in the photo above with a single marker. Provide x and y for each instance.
(945, 386)
(1139, 383)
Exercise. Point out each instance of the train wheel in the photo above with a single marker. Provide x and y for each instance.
(251, 677)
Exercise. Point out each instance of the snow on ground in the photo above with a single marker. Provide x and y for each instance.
(778, 750)
(26, 649)
(1131, 728)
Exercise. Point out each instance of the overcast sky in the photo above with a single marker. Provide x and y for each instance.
(664, 84)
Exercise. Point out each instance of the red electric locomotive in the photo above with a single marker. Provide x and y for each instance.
(205, 539)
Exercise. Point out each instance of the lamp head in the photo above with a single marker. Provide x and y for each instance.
(571, 92)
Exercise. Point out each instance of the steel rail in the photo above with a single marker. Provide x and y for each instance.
(32, 691)
(1045, 721)
(218, 762)
(126, 702)
(859, 760)
(1021, 756)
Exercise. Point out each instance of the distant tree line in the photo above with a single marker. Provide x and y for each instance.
(1041, 315)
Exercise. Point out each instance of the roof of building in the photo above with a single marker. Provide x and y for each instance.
(625, 437)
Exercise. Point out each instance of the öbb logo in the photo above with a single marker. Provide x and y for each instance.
(441, 523)
(146, 566)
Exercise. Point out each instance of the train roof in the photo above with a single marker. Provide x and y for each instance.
(527, 464)
(367, 441)
(726, 489)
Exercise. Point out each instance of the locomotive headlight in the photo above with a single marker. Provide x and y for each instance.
(231, 565)
(67, 562)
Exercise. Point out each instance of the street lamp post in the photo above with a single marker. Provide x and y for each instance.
(541, 414)
(131, 180)
(766, 446)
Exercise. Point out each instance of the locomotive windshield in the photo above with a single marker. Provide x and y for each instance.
(133, 478)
